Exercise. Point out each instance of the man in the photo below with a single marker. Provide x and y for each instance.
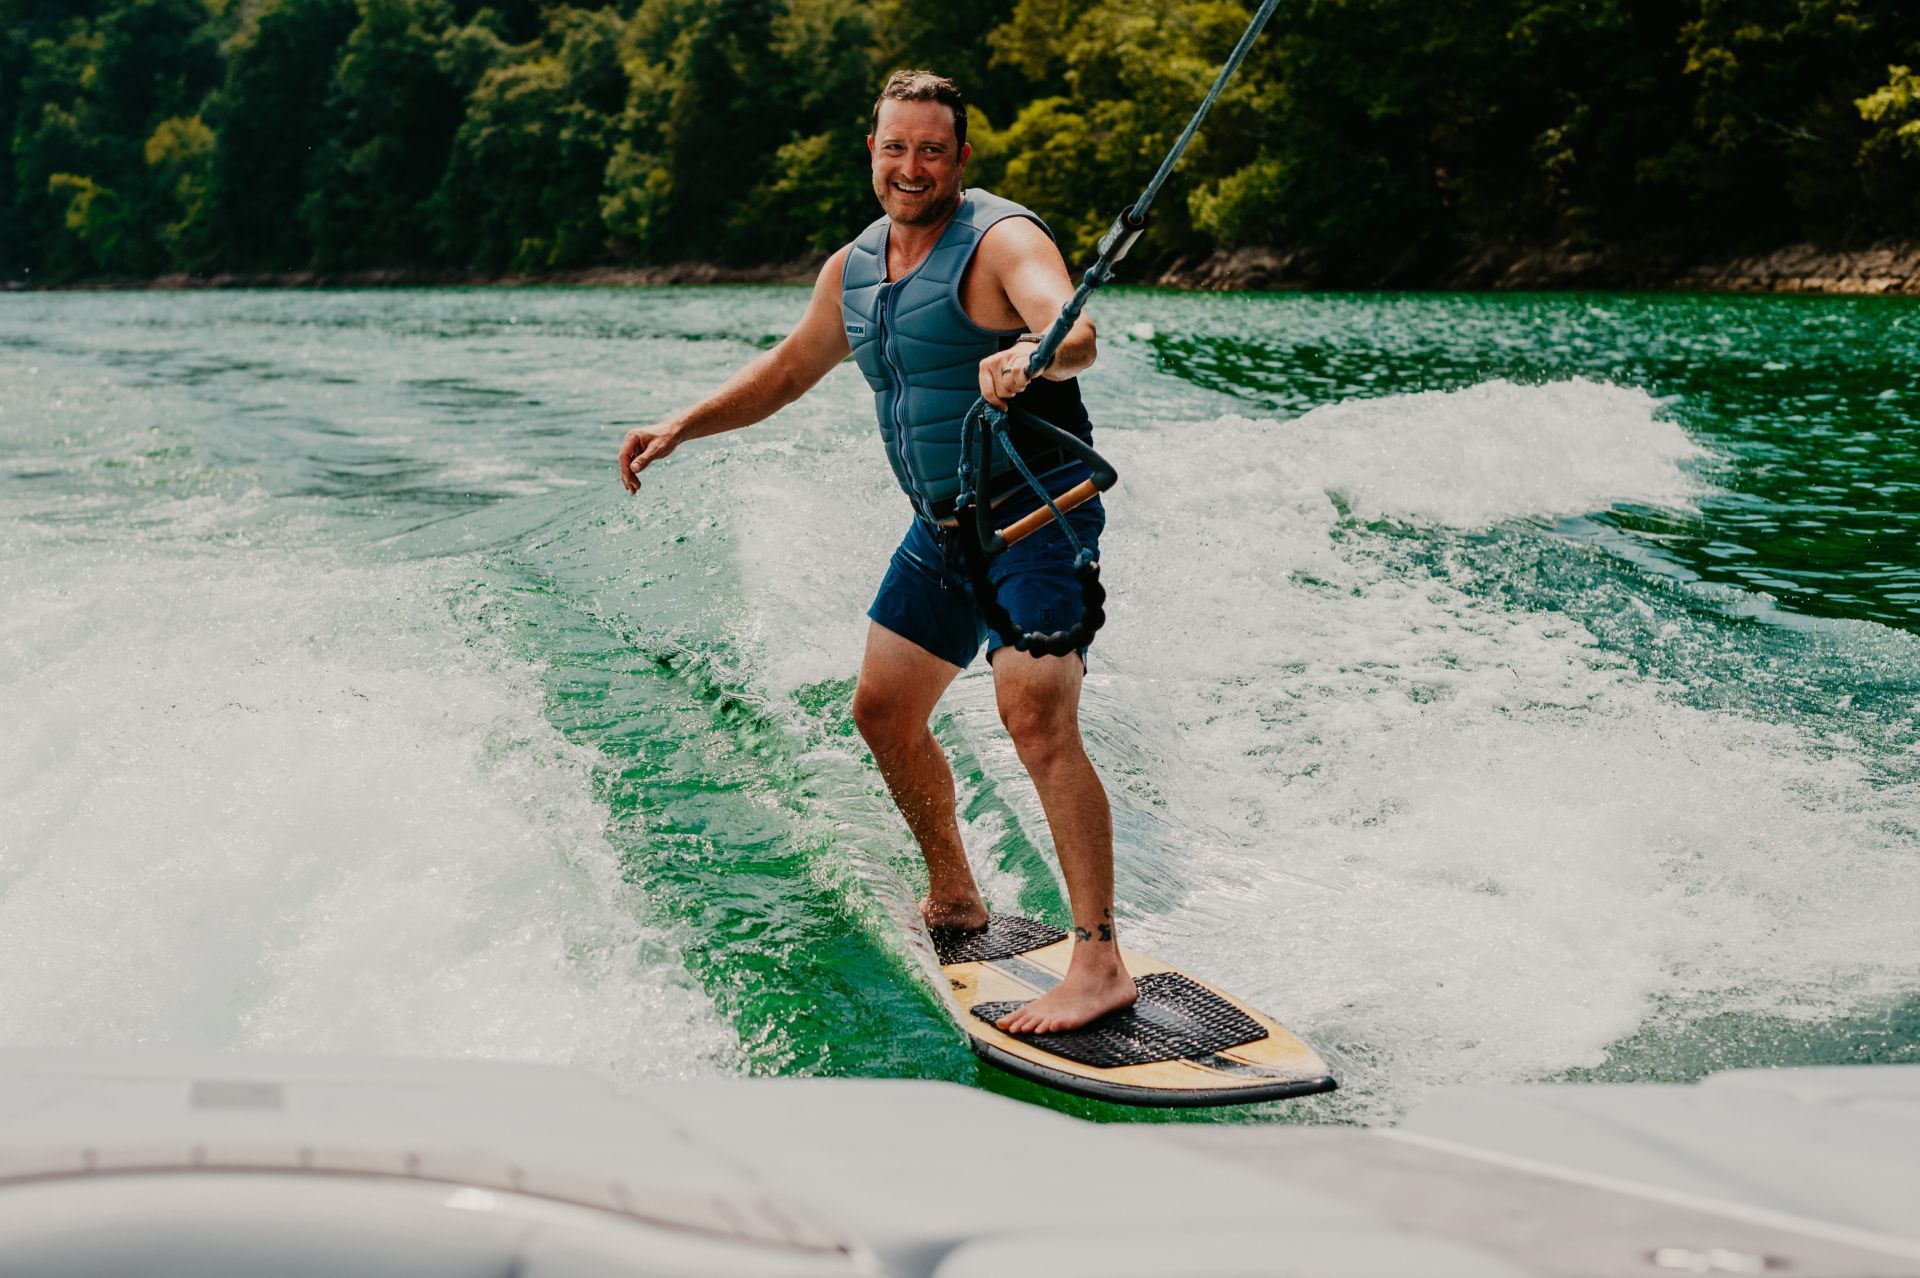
(932, 300)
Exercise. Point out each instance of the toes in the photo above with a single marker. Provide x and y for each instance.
(1025, 1022)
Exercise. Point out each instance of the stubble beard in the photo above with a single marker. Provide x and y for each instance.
(937, 211)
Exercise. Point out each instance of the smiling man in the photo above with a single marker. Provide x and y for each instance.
(935, 301)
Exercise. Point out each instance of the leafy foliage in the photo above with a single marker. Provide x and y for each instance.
(392, 113)
(271, 123)
(1891, 153)
(1379, 139)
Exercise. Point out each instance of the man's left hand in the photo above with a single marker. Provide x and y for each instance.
(1003, 374)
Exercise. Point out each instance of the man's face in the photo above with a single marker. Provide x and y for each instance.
(917, 162)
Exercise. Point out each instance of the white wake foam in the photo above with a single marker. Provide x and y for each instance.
(1474, 457)
(1463, 839)
(258, 799)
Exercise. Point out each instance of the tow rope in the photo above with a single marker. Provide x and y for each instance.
(979, 540)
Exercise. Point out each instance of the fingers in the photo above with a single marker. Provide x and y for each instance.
(640, 450)
(990, 382)
(628, 447)
(658, 446)
(632, 459)
(1002, 376)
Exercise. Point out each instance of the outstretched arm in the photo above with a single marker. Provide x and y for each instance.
(1027, 266)
(765, 386)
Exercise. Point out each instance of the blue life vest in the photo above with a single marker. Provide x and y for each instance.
(921, 355)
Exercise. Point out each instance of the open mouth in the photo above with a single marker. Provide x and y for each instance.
(912, 190)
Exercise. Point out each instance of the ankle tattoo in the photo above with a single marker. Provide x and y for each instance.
(1104, 930)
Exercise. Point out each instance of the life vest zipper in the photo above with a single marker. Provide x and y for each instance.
(888, 351)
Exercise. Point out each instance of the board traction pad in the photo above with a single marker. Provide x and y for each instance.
(1004, 936)
(1175, 1018)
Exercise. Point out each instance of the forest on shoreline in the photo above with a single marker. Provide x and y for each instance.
(1368, 141)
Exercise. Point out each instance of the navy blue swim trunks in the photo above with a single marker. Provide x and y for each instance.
(927, 599)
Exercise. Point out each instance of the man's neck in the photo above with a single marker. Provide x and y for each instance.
(908, 246)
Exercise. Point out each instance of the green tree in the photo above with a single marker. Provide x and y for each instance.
(705, 87)
(1384, 138)
(817, 199)
(1133, 77)
(49, 139)
(1592, 89)
(181, 154)
(524, 187)
(1777, 131)
(816, 193)
(95, 88)
(15, 57)
(953, 38)
(272, 122)
(392, 114)
(1890, 155)
(101, 222)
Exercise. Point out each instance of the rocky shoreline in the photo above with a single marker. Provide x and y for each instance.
(1891, 268)
(1883, 269)
(606, 276)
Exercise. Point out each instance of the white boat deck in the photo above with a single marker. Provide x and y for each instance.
(177, 1164)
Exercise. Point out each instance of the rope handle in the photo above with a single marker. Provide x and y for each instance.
(983, 425)
(1026, 526)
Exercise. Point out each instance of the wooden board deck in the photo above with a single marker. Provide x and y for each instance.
(1271, 1068)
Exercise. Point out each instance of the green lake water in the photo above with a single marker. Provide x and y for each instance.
(1496, 687)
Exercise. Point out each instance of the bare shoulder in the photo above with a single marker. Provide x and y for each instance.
(1016, 272)
(826, 288)
(1016, 241)
(828, 281)
(817, 342)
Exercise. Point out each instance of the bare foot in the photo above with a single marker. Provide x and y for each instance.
(966, 915)
(1090, 990)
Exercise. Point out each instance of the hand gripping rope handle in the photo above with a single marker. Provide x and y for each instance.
(980, 541)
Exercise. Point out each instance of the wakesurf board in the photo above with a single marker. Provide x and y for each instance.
(1183, 1043)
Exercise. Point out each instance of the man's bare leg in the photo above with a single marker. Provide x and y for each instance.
(900, 683)
(1040, 704)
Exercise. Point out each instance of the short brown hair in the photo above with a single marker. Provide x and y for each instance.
(923, 86)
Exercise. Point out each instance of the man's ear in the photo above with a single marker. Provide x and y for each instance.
(966, 150)
(869, 144)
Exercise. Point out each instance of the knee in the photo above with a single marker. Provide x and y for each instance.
(1042, 732)
(882, 721)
